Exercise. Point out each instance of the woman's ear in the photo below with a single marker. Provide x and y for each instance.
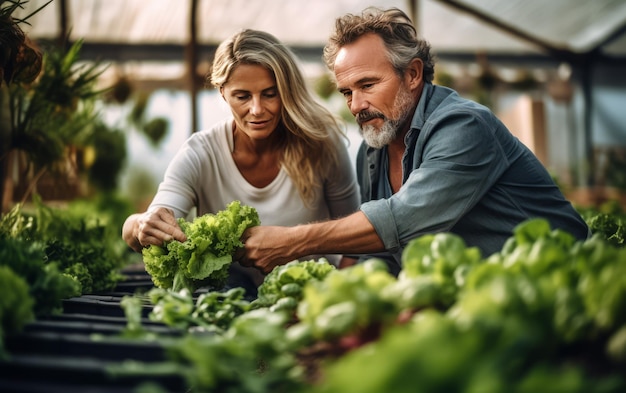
(222, 92)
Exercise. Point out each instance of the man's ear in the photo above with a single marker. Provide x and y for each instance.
(414, 73)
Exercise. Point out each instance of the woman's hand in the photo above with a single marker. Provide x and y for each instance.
(153, 227)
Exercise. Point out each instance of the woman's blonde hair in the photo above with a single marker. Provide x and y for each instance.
(312, 132)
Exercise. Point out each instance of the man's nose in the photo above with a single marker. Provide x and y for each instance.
(358, 103)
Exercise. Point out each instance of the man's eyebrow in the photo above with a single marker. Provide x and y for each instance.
(367, 79)
(363, 81)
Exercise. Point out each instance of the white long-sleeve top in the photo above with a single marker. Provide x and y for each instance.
(203, 175)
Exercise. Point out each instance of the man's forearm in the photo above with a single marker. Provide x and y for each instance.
(353, 234)
(269, 246)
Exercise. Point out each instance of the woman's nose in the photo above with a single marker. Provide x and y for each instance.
(256, 106)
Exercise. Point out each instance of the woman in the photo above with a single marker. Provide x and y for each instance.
(281, 152)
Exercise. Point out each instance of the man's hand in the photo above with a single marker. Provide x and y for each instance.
(266, 247)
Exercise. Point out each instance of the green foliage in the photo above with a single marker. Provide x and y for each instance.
(20, 61)
(282, 288)
(47, 284)
(132, 306)
(73, 240)
(347, 301)
(110, 157)
(138, 113)
(435, 354)
(211, 311)
(216, 311)
(572, 290)
(108, 209)
(325, 86)
(16, 304)
(204, 258)
(608, 220)
(433, 268)
(546, 313)
(155, 130)
(170, 307)
(54, 112)
(251, 357)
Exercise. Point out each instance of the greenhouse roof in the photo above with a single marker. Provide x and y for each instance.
(452, 26)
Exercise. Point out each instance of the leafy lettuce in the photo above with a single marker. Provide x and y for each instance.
(204, 258)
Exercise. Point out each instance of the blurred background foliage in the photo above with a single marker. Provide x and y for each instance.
(58, 154)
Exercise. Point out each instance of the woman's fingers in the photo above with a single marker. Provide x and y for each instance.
(159, 227)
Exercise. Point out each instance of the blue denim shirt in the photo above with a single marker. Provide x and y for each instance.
(463, 172)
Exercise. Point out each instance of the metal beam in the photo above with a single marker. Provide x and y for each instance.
(558, 52)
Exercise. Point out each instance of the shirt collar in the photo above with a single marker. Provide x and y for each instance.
(419, 117)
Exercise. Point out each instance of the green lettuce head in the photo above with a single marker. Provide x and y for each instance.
(204, 258)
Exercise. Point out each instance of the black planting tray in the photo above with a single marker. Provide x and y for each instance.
(76, 350)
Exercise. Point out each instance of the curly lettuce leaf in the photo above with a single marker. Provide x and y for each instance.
(203, 259)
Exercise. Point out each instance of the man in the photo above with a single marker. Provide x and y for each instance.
(431, 161)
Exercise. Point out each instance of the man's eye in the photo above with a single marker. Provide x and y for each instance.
(241, 97)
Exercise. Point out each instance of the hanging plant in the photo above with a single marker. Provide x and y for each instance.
(121, 90)
(55, 111)
(154, 129)
(49, 120)
(108, 153)
(525, 81)
(20, 60)
(20, 63)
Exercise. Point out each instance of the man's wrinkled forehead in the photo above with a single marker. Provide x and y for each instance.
(365, 58)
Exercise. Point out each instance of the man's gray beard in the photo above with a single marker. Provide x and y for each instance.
(378, 138)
